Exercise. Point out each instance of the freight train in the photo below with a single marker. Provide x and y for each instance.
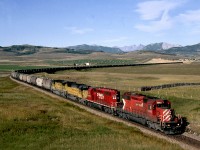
(156, 113)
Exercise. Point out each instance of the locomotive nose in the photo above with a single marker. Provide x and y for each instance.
(167, 115)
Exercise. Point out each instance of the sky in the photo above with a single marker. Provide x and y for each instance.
(61, 23)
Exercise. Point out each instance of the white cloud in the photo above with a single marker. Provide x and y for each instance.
(191, 16)
(76, 30)
(156, 15)
(191, 20)
(151, 10)
(155, 26)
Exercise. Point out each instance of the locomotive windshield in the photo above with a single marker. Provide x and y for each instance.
(163, 105)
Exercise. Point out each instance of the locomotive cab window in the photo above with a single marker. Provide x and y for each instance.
(163, 105)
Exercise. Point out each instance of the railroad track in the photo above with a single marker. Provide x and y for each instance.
(182, 140)
(190, 141)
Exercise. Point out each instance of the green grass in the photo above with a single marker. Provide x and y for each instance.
(17, 67)
(32, 120)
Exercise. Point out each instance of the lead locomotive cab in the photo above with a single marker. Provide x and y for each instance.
(153, 112)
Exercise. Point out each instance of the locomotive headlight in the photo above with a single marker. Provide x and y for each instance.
(178, 124)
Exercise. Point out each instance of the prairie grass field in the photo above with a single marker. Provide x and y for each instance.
(185, 100)
(33, 120)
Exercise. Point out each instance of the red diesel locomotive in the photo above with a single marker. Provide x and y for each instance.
(104, 98)
(154, 112)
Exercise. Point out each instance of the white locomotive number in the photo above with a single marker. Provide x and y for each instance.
(100, 96)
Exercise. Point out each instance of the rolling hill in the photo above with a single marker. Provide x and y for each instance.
(20, 50)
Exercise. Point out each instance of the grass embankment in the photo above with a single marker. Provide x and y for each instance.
(32, 120)
(185, 100)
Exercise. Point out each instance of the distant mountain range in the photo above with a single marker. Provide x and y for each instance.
(173, 49)
(132, 48)
(164, 48)
(160, 46)
(97, 48)
(149, 47)
(191, 50)
(153, 47)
